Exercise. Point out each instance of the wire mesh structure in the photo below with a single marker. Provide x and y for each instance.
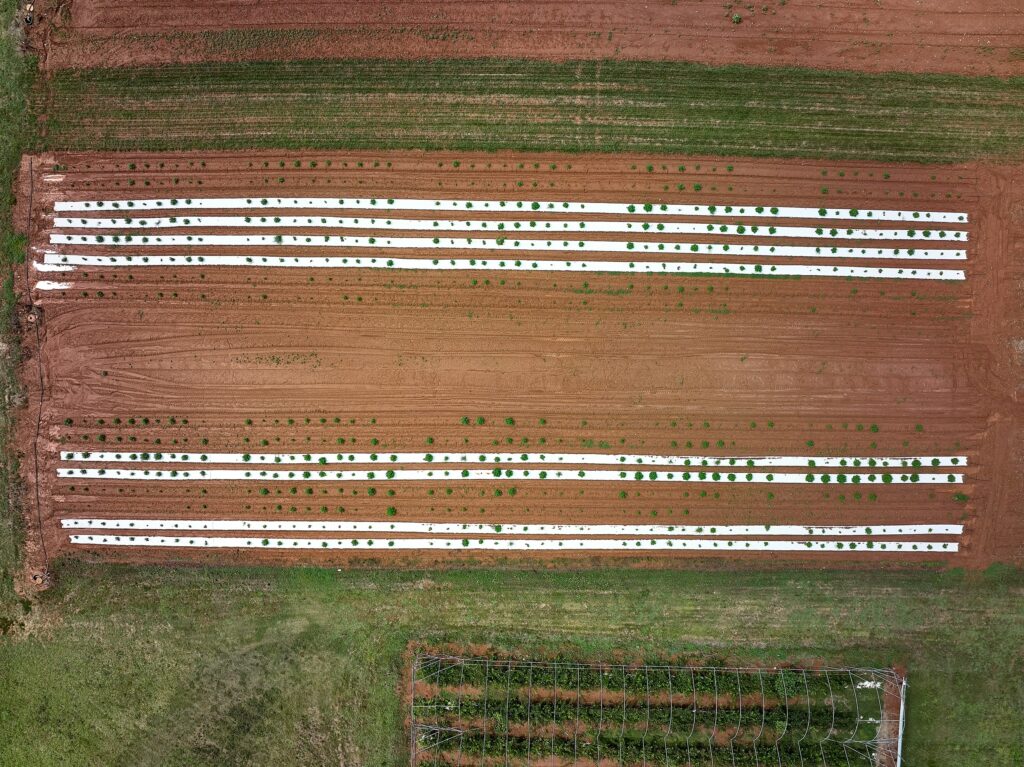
(499, 711)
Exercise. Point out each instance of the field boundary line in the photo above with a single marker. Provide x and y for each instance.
(39, 367)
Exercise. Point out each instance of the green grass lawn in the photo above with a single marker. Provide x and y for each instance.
(301, 667)
(602, 106)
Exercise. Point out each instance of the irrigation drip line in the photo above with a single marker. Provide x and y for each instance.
(39, 368)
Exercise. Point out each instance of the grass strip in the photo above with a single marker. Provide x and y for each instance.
(493, 104)
(157, 666)
(14, 83)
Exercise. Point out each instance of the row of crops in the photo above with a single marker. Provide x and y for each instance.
(501, 243)
(464, 206)
(630, 546)
(141, 242)
(531, 226)
(598, 475)
(600, 459)
(501, 536)
(475, 710)
(420, 536)
(518, 105)
(69, 262)
(464, 528)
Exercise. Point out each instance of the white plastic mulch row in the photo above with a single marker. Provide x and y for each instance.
(616, 208)
(51, 285)
(599, 459)
(504, 244)
(521, 226)
(516, 544)
(472, 264)
(514, 474)
(453, 528)
(43, 267)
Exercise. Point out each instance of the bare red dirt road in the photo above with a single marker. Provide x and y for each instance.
(223, 359)
(982, 37)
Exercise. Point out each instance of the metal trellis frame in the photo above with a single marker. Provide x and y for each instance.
(454, 721)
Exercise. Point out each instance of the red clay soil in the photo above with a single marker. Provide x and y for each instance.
(582, 362)
(982, 37)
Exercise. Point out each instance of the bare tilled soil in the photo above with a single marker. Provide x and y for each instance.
(248, 359)
(980, 37)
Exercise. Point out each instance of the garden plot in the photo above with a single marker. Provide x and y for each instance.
(496, 392)
(690, 268)
(480, 710)
(406, 467)
(496, 225)
(505, 529)
(565, 246)
(591, 459)
(442, 205)
(399, 536)
(509, 536)
(521, 239)
(409, 475)
(541, 545)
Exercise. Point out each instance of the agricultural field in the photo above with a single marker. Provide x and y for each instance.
(981, 37)
(511, 383)
(426, 357)
(652, 107)
(478, 709)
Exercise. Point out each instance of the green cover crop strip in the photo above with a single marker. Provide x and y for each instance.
(571, 106)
